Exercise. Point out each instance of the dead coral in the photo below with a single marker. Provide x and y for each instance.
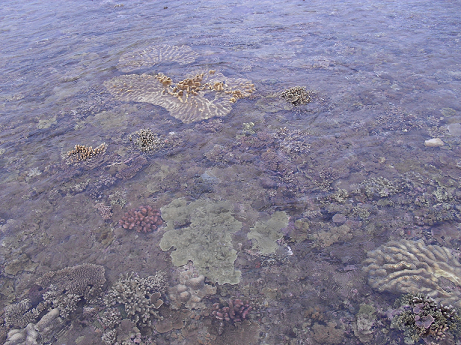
(412, 267)
(82, 153)
(151, 56)
(199, 97)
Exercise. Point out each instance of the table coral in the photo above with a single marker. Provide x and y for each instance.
(196, 98)
(201, 231)
(143, 219)
(412, 267)
(148, 57)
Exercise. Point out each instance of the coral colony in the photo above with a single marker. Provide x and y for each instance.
(144, 219)
(235, 312)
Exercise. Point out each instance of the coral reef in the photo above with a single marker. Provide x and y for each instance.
(143, 219)
(200, 97)
(104, 210)
(327, 334)
(191, 289)
(147, 141)
(364, 321)
(201, 232)
(266, 233)
(151, 56)
(420, 316)
(297, 95)
(236, 311)
(412, 267)
(82, 153)
(139, 298)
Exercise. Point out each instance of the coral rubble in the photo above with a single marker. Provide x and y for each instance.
(143, 219)
(297, 95)
(151, 56)
(201, 231)
(420, 316)
(199, 97)
(411, 267)
(82, 153)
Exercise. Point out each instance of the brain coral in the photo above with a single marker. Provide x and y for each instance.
(412, 267)
(154, 55)
(199, 97)
(201, 231)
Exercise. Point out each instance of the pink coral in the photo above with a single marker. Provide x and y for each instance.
(144, 219)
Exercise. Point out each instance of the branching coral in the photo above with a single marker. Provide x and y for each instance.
(151, 56)
(412, 267)
(139, 297)
(82, 153)
(199, 97)
(297, 95)
(145, 219)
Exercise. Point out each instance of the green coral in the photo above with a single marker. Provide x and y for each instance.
(266, 233)
(201, 231)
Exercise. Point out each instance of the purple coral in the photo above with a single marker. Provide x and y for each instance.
(235, 312)
(144, 219)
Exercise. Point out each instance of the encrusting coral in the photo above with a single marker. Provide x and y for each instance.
(143, 219)
(151, 56)
(199, 97)
(412, 267)
(201, 231)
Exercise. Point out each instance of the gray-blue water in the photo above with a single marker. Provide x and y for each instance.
(352, 168)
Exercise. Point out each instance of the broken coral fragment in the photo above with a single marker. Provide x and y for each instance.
(201, 231)
(412, 267)
(199, 97)
(154, 55)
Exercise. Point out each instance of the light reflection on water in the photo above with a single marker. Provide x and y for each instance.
(350, 168)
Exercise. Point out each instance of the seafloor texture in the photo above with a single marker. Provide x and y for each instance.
(243, 172)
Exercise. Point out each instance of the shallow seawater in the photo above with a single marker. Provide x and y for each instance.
(300, 214)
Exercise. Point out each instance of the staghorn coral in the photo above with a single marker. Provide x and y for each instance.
(139, 297)
(200, 97)
(82, 153)
(412, 267)
(151, 56)
(201, 232)
(144, 219)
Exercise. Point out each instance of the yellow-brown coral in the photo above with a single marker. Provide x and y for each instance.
(151, 56)
(196, 98)
(412, 267)
(82, 152)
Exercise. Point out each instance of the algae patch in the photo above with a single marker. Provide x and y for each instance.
(201, 232)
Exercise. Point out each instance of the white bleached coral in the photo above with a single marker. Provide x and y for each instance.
(412, 267)
(151, 56)
(199, 97)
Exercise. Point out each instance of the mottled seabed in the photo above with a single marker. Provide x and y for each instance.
(266, 215)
